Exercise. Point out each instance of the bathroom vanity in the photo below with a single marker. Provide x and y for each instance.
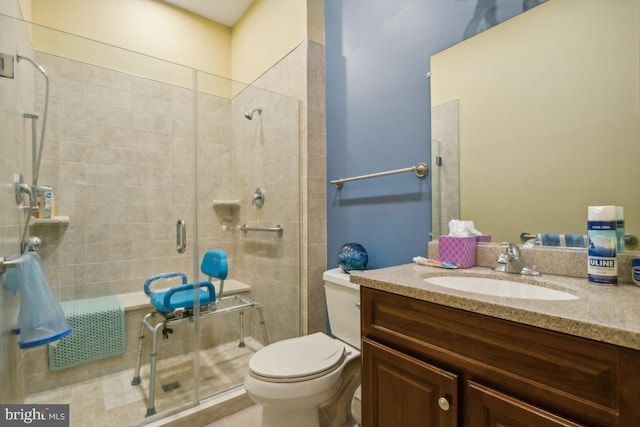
(434, 356)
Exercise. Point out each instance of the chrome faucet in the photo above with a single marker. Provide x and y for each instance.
(511, 261)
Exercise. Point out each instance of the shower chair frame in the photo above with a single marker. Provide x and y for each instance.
(183, 314)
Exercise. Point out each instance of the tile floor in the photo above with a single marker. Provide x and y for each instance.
(249, 417)
(111, 400)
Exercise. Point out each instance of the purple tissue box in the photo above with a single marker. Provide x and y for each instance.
(483, 239)
(460, 251)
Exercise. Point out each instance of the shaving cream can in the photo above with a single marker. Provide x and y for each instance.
(602, 265)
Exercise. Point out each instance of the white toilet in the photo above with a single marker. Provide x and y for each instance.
(311, 380)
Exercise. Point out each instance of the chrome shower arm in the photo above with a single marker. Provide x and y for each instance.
(34, 63)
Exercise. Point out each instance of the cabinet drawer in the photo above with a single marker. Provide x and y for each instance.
(565, 372)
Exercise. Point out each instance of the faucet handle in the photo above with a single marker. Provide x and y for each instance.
(511, 249)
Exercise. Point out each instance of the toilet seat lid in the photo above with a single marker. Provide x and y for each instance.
(290, 360)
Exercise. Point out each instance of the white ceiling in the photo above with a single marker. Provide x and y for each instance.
(226, 12)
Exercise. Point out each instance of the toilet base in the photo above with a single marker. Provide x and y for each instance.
(334, 413)
(338, 412)
(322, 401)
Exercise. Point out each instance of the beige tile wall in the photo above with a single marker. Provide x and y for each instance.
(266, 155)
(119, 155)
(315, 179)
(301, 75)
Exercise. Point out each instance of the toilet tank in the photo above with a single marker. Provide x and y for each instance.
(343, 306)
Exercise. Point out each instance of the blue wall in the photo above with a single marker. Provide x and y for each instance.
(378, 115)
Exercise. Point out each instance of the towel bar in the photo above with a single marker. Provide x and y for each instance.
(4, 264)
(629, 239)
(421, 170)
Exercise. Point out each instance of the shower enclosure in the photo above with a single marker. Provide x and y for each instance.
(134, 144)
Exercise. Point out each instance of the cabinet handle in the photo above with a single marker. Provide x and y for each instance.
(444, 404)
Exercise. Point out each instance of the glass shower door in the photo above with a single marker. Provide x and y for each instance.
(249, 207)
(120, 154)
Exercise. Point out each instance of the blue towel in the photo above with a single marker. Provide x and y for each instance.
(576, 240)
(564, 240)
(41, 320)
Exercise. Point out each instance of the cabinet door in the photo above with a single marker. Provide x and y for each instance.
(401, 391)
(490, 408)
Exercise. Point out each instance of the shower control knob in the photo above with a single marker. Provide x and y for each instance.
(258, 197)
(444, 404)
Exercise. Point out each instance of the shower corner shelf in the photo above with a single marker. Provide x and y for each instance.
(226, 203)
(56, 220)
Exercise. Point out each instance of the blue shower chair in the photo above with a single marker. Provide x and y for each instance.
(176, 305)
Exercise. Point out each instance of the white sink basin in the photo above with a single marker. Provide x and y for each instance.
(499, 288)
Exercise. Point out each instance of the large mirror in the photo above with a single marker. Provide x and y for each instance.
(538, 118)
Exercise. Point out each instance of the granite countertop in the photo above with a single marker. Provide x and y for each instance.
(604, 313)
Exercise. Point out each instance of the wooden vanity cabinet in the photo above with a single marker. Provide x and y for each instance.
(429, 365)
(405, 391)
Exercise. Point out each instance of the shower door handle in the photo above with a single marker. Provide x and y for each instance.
(181, 236)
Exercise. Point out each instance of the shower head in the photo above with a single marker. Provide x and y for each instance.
(249, 115)
(34, 63)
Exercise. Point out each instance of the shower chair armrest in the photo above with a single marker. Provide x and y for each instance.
(147, 283)
(183, 300)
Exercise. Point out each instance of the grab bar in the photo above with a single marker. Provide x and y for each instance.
(4, 264)
(421, 170)
(629, 239)
(277, 229)
(181, 236)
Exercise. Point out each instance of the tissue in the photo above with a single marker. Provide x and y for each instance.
(460, 228)
(459, 247)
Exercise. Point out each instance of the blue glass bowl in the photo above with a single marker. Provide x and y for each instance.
(352, 256)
